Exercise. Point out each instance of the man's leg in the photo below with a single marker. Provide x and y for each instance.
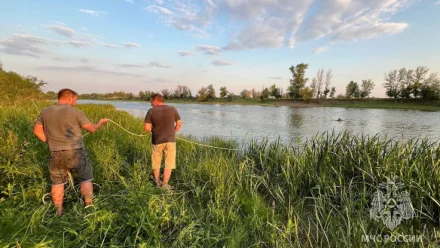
(87, 192)
(57, 193)
(156, 159)
(170, 162)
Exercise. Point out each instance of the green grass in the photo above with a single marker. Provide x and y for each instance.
(314, 194)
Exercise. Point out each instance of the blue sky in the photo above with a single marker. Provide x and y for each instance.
(133, 45)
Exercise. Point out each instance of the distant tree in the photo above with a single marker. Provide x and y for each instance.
(275, 92)
(332, 92)
(245, 93)
(352, 90)
(328, 79)
(319, 82)
(313, 87)
(419, 79)
(166, 93)
(366, 88)
(306, 94)
(203, 95)
(182, 91)
(266, 93)
(391, 84)
(298, 80)
(223, 92)
(210, 92)
(255, 94)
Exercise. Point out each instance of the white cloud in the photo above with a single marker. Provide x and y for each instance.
(24, 45)
(111, 46)
(128, 1)
(209, 50)
(220, 63)
(85, 60)
(276, 78)
(438, 2)
(360, 33)
(157, 64)
(62, 30)
(320, 50)
(80, 44)
(129, 66)
(184, 53)
(89, 70)
(93, 12)
(131, 45)
(61, 59)
(159, 10)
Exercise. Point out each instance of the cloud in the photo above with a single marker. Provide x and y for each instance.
(85, 60)
(61, 59)
(93, 12)
(192, 17)
(129, 66)
(184, 53)
(80, 44)
(209, 50)
(157, 64)
(62, 30)
(220, 63)
(131, 45)
(24, 45)
(128, 1)
(320, 50)
(438, 2)
(159, 10)
(111, 46)
(368, 32)
(88, 70)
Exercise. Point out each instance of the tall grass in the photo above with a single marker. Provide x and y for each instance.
(267, 194)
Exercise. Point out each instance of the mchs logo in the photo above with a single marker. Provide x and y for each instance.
(391, 204)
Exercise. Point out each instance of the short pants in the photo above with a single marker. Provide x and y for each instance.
(74, 161)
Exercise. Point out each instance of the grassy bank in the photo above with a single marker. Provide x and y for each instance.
(316, 194)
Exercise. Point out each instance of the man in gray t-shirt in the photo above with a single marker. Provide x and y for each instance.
(60, 126)
(163, 122)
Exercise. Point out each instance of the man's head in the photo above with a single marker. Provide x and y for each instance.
(156, 100)
(67, 96)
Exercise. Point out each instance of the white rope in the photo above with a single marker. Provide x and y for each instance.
(143, 135)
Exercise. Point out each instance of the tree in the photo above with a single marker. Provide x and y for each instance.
(166, 93)
(332, 92)
(298, 80)
(203, 95)
(313, 86)
(366, 88)
(392, 85)
(255, 94)
(328, 79)
(275, 92)
(223, 92)
(319, 82)
(352, 90)
(418, 80)
(210, 92)
(265, 94)
(404, 79)
(182, 91)
(430, 90)
(245, 93)
(306, 94)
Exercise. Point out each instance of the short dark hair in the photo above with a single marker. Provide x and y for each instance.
(64, 93)
(157, 97)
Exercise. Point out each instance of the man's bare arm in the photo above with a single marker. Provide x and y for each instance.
(94, 127)
(147, 127)
(178, 126)
(39, 132)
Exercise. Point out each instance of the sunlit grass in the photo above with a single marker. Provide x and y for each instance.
(267, 194)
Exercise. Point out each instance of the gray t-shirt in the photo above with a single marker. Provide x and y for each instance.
(62, 126)
(163, 119)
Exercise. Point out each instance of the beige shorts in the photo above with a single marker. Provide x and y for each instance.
(170, 155)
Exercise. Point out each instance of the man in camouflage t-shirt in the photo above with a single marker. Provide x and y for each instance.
(60, 126)
(163, 122)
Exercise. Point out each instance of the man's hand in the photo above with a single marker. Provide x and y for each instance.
(178, 126)
(94, 127)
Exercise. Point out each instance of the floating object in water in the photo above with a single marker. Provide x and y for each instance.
(339, 119)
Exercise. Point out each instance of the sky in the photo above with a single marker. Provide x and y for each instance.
(133, 45)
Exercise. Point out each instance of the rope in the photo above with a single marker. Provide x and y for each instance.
(143, 135)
